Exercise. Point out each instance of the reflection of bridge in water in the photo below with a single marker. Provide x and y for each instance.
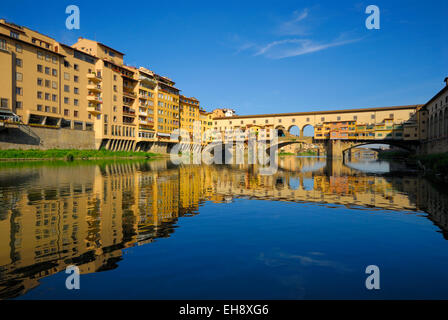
(86, 214)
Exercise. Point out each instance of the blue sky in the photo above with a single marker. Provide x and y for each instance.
(268, 57)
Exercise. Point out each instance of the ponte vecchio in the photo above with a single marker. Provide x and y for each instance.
(337, 130)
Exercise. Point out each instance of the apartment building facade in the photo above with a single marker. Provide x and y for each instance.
(84, 87)
(189, 113)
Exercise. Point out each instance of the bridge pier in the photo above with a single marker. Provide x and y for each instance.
(334, 149)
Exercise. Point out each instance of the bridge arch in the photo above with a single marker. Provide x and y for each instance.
(399, 144)
(294, 130)
(281, 131)
(307, 130)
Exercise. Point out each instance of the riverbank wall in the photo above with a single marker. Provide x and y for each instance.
(46, 138)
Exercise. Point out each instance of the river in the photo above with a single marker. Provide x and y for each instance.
(154, 230)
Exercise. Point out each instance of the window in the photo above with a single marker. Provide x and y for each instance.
(66, 88)
(66, 76)
(18, 62)
(75, 113)
(54, 97)
(66, 100)
(54, 60)
(39, 95)
(76, 102)
(39, 81)
(39, 107)
(322, 119)
(4, 103)
(47, 70)
(3, 44)
(47, 57)
(19, 104)
(66, 64)
(39, 68)
(47, 109)
(47, 83)
(54, 84)
(40, 55)
(19, 91)
(55, 72)
(355, 117)
(66, 112)
(14, 34)
(76, 78)
(76, 67)
(19, 76)
(18, 48)
(54, 110)
(47, 96)
(76, 90)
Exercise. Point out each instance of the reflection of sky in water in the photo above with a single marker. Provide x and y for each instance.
(294, 183)
(370, 166)
(313, 167)
(308, 183)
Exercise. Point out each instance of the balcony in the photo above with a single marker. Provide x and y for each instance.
(146, 123)
(94, 77)
(129, 112)
(129, 94)
(95, 109)
(94, 98)
(94, 87)
(128, 121)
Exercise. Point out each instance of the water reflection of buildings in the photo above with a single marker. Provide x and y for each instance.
(86, 215)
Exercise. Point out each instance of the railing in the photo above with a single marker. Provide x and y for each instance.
(16, 120)
(11, 119)
(97, 98)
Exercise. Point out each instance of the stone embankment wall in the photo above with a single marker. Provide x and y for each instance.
(46, 138)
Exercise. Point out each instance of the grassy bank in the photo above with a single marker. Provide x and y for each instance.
(71, 154)
(305, 153)
(393, 154)
(286, 154)
(435, 163)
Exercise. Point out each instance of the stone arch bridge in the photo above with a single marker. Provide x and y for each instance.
(337, 131)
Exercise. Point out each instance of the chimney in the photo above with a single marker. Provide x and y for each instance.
(446, 81)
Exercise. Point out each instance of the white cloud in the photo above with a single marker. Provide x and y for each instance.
(285, 48)
(295, 47)
(293, 26)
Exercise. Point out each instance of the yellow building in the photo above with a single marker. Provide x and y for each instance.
(167, 117)
(189, 113)
(87, 87)
(206, 119)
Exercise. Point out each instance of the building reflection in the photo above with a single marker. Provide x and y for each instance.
(85, 215)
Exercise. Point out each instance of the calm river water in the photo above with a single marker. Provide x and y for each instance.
(153, 230)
